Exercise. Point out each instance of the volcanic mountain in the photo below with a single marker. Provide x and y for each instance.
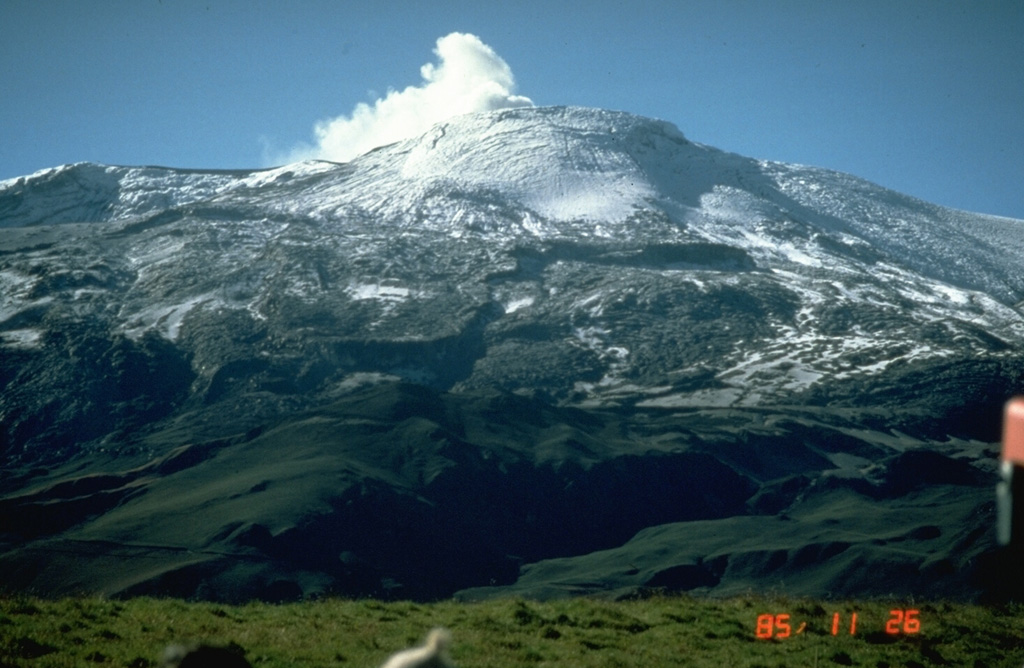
(540, 351)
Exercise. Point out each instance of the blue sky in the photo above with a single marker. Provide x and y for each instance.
(925, 97)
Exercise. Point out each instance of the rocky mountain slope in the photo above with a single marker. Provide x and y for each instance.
(538, 350)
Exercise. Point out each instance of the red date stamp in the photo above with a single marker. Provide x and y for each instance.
(782, 625)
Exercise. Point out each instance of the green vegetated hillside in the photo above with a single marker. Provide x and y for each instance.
(401, 492)
(582, 632)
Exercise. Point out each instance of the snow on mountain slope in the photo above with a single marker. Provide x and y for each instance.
(557, 166)
(973, 251)
(582, 172)
(86, 192)
(556, 233)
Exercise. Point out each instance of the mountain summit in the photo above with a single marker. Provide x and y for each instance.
(570, 304)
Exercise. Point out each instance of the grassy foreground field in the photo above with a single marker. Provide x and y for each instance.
(658, 631)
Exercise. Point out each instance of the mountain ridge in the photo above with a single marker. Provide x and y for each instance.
(585, 284)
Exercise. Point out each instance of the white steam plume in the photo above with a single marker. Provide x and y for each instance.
(468, 77)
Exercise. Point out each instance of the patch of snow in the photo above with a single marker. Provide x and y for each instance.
(518, 304)
(377, 291)
(164, 249)
(14, 287)
(360, 380)
(591, 337)
(14, 282)
(282, 175)
(167, 319)
(532, 225)
(954, 295)
(592, 304)
(21, 338)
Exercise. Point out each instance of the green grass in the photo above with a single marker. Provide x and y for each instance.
(659, 631)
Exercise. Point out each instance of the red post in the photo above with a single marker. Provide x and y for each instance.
(1013, 432)
(1010, 490)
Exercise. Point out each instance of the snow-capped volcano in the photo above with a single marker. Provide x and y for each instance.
(591, 260)
(610, 232)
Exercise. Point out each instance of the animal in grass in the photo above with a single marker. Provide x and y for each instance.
(433, 653)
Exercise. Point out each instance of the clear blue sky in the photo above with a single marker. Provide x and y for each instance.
(923, 96)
